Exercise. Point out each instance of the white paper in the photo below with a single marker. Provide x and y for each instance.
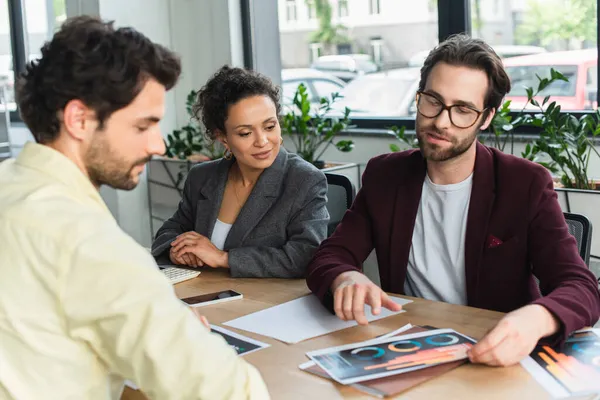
(302, 319)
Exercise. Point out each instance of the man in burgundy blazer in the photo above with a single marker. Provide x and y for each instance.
(514, 227)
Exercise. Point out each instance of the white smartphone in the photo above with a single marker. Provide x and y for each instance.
(212, 298)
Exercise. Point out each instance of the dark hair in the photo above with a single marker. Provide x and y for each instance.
(462, 50)
(224, 89)
(88, 60)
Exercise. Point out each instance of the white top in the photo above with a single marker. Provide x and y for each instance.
(220, 233)
(436, 263)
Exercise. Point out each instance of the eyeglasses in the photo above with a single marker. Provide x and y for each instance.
(461, 116)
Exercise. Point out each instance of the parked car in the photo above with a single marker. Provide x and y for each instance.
(579, 66)
(383, 94)
(346, 67)
(504, 51)
(318, 84)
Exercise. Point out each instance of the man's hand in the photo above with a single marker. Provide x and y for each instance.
(352, 290)
(515, 336)
(194, 244)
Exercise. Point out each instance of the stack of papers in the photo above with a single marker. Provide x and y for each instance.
(379, 358)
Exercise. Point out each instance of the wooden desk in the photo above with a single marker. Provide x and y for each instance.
(278, 364)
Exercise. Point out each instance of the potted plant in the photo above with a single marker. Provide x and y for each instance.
(185, 147)
(565, 146)
(313, 130)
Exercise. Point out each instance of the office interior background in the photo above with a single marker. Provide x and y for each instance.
(370, 51)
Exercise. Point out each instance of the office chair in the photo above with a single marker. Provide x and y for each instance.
(340, 195)
(581, 228)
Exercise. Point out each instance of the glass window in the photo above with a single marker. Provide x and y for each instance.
(342, 8)
(536, 35)
(290, 9)
(289, 88)
(315, 51)
(382, 94)
(7, 93)
(525, 76)
(374, 7)
(361, 45)
(311, 10)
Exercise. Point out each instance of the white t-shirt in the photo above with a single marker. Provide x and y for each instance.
(219, 234)
(436, 263)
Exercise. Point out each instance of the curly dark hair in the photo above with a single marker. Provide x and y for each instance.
(462, 50)
(224, 89)
(89, 60)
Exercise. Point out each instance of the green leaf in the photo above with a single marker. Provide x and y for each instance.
(556, 75)
(546, 100)
(529, 92)
(394, 147)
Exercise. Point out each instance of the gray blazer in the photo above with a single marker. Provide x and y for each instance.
(277, 231)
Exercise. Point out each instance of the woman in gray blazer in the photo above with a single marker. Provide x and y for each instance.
(259, 211)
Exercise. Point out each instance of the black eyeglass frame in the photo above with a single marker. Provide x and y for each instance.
(444, 107)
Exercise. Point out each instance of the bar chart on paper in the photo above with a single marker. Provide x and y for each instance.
(573, 370)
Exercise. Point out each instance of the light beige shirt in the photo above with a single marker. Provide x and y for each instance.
(83, 306)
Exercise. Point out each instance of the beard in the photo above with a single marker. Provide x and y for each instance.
(435, 152)
(106, 168)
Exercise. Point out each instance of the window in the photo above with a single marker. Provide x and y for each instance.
(41, 19)
(315, 51)
(7, 93)
(374, 7)
(536, 35)
(290, 9)
(377, 50)
(342, 8)
(310, 8)
(373, 50)
(288, 91)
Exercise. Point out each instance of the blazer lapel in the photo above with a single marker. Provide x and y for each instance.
(406, 205)
(209, 201)
(262, 197)
(480, 208)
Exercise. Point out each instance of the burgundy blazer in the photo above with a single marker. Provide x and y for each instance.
(515, 231)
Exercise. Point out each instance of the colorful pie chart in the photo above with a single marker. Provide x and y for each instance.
(367, 353)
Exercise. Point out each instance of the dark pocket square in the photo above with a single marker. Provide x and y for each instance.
(493, 241)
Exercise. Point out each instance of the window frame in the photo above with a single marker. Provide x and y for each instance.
(343, 5)
(18, 43)
(374, 7)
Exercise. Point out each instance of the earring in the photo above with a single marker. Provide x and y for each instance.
(281, 140)
(228, 155)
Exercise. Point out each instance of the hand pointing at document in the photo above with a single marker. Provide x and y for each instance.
(352, 290)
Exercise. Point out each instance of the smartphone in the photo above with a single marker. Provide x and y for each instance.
(212, 298)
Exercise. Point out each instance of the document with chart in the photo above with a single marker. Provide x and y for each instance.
(392, 356)
(571, 370)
